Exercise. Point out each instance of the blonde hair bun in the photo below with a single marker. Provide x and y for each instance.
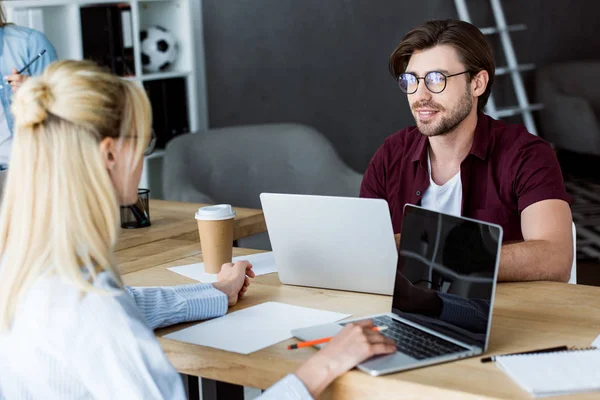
(32, 103)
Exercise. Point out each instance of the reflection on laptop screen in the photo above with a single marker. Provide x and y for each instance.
(445, 275)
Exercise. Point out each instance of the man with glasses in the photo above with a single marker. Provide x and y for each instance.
(459, 161)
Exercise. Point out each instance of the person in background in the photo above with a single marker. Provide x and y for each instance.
(68, 326)
(18, 46)
(459, 161)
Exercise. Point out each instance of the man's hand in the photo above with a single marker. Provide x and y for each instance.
(234, 280)
(16, 79)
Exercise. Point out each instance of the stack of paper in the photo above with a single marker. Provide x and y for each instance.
(262, 264)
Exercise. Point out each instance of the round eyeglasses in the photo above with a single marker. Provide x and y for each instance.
(151, 145)
(435, 81)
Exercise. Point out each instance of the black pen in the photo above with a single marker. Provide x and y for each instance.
(32, 61)
(29, 64)
(550, 350)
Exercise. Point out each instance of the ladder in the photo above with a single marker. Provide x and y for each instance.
(513, 68)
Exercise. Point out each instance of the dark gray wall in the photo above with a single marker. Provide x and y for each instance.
(324, 62)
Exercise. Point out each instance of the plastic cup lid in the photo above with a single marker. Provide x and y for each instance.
(215, 213)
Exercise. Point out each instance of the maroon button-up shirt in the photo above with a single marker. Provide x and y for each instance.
(506, 170)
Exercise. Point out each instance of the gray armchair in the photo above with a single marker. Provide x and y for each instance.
(235, 165)
(570, 93)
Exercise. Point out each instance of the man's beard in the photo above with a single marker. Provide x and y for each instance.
(447, 123)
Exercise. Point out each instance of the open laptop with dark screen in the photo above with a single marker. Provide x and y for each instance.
(443, 293)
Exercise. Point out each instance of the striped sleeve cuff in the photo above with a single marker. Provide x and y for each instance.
(203, 301)
(169, 305)
(289, 388)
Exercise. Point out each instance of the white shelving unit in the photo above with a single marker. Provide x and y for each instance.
(62, 25)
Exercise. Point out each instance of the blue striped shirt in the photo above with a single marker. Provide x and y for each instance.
(170, 305)
(65, 345)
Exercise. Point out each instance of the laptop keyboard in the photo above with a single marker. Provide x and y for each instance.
(415, 342)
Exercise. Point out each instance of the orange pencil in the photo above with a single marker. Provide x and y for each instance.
(325, 340)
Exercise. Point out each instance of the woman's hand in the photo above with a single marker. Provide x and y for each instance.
(16, 79)
(353, 345)
(234, 280)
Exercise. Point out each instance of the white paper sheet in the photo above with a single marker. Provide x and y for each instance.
(596, 342)
(262, 264)
(254, 328)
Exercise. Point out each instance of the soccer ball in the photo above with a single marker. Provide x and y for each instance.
(159, 49)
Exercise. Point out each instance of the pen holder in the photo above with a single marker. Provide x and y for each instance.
(137, 215)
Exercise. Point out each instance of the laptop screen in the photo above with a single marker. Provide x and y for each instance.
(446, 274)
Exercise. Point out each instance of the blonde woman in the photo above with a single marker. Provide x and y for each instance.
(68, 328)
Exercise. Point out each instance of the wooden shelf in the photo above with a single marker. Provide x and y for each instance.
(164, 75)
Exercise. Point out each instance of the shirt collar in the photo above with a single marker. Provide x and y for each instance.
(481, 141)
(421, 151)
(479, 148)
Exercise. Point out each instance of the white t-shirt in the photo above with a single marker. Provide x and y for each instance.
(446, 198)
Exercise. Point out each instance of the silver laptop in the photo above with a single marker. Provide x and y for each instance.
(443, 295)
(332, 242)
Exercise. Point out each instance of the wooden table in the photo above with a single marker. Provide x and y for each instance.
(526, 316)
(174, 234)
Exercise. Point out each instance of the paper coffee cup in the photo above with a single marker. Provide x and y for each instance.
(215, 226)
